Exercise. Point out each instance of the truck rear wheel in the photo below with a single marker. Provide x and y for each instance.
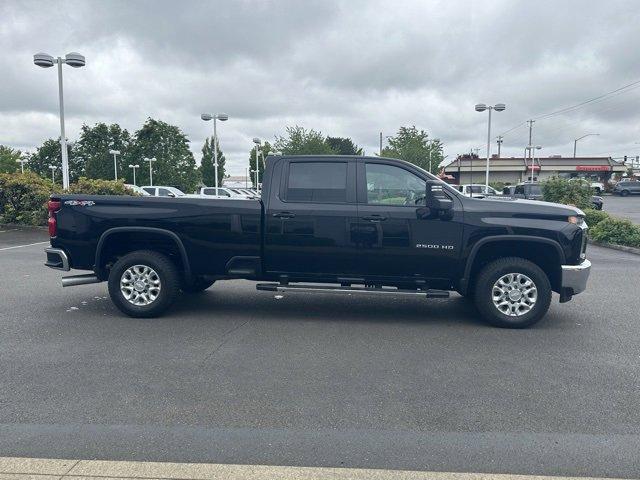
(512, 293)
(143, 283)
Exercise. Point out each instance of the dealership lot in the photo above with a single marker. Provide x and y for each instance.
(239, 376)
(626, 207)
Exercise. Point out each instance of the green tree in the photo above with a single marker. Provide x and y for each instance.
(299, 141)
(207, 166)
(8, 159)
(49, 154)
(174, 165)
(264, 150)
(343, 146)
(414, 146)
(94, 145)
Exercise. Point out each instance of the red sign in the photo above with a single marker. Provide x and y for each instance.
(535, 168)
(593, 168)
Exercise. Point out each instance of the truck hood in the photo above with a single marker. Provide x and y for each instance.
(522, 207)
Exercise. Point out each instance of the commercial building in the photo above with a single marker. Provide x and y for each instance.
(512, 170)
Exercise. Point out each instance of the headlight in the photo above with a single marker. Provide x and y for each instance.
(576, 220)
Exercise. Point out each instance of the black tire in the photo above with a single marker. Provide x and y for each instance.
(624, 193)
(164, 272)
(196, 285)
(484, 289)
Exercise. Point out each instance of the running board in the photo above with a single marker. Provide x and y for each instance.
(73, 280)
(278, 287)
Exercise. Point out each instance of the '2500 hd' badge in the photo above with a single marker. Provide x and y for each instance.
(434, 246)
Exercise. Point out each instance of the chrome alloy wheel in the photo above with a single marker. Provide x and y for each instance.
(140, 285)
(514, 294)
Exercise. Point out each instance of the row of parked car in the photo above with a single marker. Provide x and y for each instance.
(204, 192)
(525, 190)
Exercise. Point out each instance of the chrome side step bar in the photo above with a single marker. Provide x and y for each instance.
(73, 280)
(279, 287)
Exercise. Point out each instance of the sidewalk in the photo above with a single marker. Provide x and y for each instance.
(12, 468)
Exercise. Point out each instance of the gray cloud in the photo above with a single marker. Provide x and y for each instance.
(350, 68)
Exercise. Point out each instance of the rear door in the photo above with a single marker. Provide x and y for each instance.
(311, 218)
(395, 241)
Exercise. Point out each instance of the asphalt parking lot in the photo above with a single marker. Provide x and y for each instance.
(238, 376)
(627, 207)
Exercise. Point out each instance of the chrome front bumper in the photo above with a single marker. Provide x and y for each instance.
(575, 277)
(57, 259)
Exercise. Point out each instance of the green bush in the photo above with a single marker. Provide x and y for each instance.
(90, 186)
(594, 217)
(617, 231)
(570, 192)
(23, 198)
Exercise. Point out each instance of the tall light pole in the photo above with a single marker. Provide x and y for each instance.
(115, 162)
(22, 161)
(575, 142)
(223, 117)
(531, 150)
(150, 160)
(53, 173)
(134, 167)
(481, 107)
(74, 60)
(499, 142)
(258, 142)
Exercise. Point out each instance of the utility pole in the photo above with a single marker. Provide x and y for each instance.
(380, 153)
(530, 153)
(499, 144)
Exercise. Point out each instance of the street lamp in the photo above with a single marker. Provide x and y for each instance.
(22, 161)
(223, 117)
(134, 167)
(74, 60)
(258, 142)
(531, 149)
(150, 160)
(53, 173)
(115, 163)
(575, 142)
(481, 107)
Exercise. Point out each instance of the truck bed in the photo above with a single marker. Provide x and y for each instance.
(213, 231)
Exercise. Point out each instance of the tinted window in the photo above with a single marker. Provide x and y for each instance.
(163, 192)
(150, 191)
(317, 182)
(389, 185)
(519, 190)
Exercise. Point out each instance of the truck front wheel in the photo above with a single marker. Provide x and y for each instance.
(143, 283)
(512, 293)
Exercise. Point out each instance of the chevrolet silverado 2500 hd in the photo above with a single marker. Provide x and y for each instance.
(328, 224)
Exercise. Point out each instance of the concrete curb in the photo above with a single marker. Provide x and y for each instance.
(622, 248)
(44, 469)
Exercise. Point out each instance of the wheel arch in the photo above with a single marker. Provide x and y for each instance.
(158, 236)
(491, 248)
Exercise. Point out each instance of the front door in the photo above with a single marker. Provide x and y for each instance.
(395, 240)
(311, 219)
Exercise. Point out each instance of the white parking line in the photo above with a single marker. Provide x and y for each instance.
(22, 246)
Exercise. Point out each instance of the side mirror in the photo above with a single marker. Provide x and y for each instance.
(171, 194)
(436, 199)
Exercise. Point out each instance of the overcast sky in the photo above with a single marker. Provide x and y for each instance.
(348, 68)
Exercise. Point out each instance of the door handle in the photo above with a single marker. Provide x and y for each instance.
(374, 218)
(283, 215)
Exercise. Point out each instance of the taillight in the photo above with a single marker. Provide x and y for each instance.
(53, 206)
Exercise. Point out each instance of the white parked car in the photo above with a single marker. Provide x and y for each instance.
(163, 191)
(223, 192)
(476, 190)
(137, 189)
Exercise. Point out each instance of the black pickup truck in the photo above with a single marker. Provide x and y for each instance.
(328, 224)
